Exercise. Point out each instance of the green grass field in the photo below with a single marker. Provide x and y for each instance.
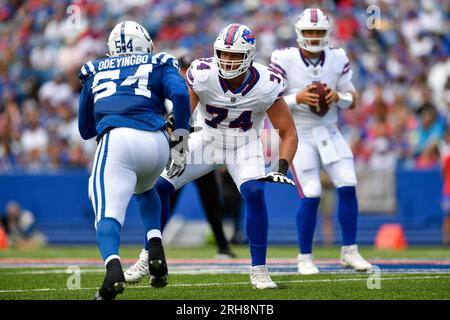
(19, 282)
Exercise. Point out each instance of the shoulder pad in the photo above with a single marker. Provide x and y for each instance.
(86, 71)
(341, 63)
(273, 82)
(163, 58)
(201, 68)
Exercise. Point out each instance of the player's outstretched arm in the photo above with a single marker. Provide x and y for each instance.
(175, 89)
(179, 143)
(86, 120)
(281, 118)
(193, 98)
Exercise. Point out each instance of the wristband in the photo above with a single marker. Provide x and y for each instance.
(283, 166)
(345, 100)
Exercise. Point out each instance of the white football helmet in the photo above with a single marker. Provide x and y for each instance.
(313, 19)
(235, 38)
(129, 37)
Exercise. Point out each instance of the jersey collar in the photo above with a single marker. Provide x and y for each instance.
(246, 86)
(308, 62)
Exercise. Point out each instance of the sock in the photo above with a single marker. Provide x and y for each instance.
(108, 237)
(256, 220)
(164, 190)
(150, 210)
(348, 214)
(306, 223)
(156, 251)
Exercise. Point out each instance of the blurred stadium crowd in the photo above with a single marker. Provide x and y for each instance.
(401, 69)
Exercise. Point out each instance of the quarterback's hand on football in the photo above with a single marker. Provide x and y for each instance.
(278, 176)
(332, 96)
(308, 97)
(178, 153)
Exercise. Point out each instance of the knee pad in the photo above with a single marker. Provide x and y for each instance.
(253, 190)
(107, 226)
(347, 178)
(312, 189)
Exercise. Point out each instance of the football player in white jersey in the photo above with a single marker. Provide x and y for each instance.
(233, 95)
(320, 142)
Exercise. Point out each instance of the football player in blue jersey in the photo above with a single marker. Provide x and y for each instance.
(121, 104)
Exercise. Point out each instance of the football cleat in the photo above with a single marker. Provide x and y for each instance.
(157, 265)
(139, 269)
(114, 282)
(159, 277)
(306, 265)
(350, 258)
(224, 254)
(260, 278)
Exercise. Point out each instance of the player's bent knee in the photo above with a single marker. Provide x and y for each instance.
(312, 189)
(253, 190)
(107, 226)
(164, 187)
(347, 179)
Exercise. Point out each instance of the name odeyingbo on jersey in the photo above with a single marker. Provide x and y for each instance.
(142, 81)
(122, 62)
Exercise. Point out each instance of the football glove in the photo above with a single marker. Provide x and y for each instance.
(280, 175)
(178, 153)
(170, 122)
(277, 177)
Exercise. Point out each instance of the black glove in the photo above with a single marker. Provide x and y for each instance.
(170, 122)
(278, 176)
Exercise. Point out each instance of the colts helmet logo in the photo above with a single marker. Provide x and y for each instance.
(248, 36)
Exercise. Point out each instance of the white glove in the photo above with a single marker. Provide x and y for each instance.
(178, 153)
(277, 177)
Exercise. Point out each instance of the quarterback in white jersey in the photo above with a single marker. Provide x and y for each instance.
(232, 95)
(320, 142)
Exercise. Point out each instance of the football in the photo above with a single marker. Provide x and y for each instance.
(323, 105)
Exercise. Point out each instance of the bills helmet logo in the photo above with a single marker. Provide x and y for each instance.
(248, 36)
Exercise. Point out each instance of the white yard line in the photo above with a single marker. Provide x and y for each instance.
(230, 270)
(130, 287)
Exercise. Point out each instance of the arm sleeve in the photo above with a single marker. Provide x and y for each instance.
(86, 119)
(346, 86)
(278, 65)
(345, 79)
(176, 91)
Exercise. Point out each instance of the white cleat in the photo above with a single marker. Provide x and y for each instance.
(350, 258)
(260, 278)
(139, 269)
(305, 264)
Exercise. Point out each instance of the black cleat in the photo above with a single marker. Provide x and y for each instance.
(159, 277)
(114, 282)
(104, 294)
(225, 253)
(157, 266)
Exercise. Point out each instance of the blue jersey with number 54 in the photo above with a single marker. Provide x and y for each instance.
(129, 91)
